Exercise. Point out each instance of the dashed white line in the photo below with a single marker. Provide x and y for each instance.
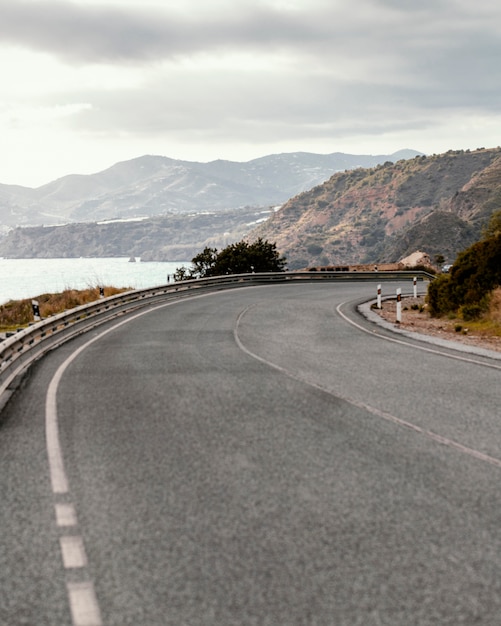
(65, 515)
(367, 407)
(83, 604)
(73, 551)
(82, 598)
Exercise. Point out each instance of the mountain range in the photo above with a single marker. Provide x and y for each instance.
(155, 185)
(438, 204)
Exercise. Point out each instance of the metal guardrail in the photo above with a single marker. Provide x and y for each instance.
(20, 350)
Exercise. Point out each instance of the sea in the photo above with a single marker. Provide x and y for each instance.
(28, 278)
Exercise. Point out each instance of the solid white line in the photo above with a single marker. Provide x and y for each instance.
(73, 551)
(367, 407)
(59, 480)
(65, 515)
(82, 598)
(83, 604)
(417, 337)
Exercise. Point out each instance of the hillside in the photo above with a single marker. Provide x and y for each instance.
(157, 185)
(437, 204)
(162, 238)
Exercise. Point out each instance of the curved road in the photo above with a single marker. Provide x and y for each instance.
(250, 457)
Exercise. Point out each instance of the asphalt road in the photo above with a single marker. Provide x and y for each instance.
(251, 457)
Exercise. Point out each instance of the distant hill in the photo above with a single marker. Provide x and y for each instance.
(156, 185)
(161, 238)
(436, 204)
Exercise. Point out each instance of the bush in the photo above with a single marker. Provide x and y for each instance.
(470, 312)
(438, 298)
(314, 249)
(237, 258)
(474, 275)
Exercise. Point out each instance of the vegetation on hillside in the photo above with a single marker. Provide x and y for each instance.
(467, 290)
(437, 204)
(17, 313)
(162, 238)
(237, 258)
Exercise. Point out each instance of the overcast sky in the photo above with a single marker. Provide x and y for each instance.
(87, 83)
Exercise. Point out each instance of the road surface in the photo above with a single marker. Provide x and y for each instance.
(250, 457)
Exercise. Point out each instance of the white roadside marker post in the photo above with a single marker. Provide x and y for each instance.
(399, 305)
(36, 310)
(379, 296)
(415, 286)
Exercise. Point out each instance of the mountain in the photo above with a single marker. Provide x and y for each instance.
(437, 204)
(155, 185)
(161, 238)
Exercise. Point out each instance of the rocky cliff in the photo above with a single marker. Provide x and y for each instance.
(437, 204)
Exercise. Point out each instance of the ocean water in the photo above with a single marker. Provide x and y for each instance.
(27, 278)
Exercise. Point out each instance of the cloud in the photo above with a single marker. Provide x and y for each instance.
(89, 33)
(426, 45)
(96, 34)
(260, 72)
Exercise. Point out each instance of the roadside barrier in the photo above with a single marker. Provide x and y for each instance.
(25, 346)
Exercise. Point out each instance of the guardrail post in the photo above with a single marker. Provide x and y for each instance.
(379, 296)
(414, 282)
(399, 305)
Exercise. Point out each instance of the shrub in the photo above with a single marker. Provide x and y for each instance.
(471, 312)
(438, 297)
(475, 273)
(237, 258)
(314, 249)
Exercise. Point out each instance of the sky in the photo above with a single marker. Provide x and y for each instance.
(88, 83)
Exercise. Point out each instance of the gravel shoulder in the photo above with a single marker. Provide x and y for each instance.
(416, 319)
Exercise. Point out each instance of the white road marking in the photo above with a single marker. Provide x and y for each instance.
(65, 515)
(58, 476)
(82, 597)
(73, 551)
(367, 407)
(374, 333)
(83, 604)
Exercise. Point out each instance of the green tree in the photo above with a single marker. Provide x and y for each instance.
(475, 273)
(181, 273)
(203, 263)
(245, 258)
(237, 258)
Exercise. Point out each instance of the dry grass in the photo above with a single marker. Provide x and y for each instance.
(17, 313)
(495, 306)
(490, 323)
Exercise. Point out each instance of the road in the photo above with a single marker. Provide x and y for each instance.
(251, 457)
